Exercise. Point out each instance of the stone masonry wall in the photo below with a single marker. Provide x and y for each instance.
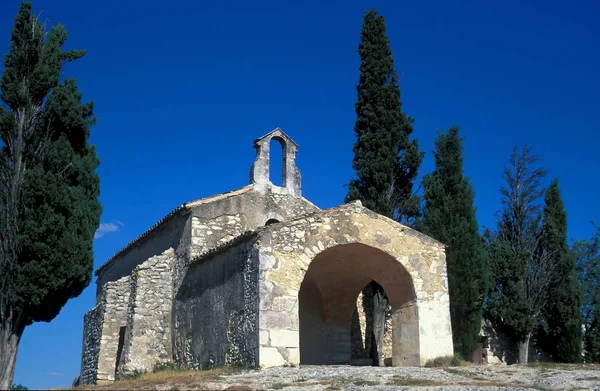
(222, 218)
(216, 309)
(173, 233)
(92, 333)
(101, 333)
(148, 335)
(287, 251)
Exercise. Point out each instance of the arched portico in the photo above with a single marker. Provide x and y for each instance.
(328, 294)
(312, 269)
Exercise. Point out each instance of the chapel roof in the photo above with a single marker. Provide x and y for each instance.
(181, 208)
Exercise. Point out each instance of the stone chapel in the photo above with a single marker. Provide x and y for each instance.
(262, 277)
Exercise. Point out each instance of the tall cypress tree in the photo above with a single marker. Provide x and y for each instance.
(449, 216)
(385, 160)
(562, 310)
(49, 207)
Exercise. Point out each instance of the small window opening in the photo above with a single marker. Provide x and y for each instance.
(271, 221)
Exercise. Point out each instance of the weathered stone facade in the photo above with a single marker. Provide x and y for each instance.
(261, 277)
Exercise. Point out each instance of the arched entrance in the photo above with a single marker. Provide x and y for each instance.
(328, 295)
(311, 270)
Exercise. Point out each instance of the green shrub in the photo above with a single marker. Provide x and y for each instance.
(131, 375)
(167, 366)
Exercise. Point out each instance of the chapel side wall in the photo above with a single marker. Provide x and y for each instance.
(148, 334)
(174, 233)
(216, 309)
(115, 302)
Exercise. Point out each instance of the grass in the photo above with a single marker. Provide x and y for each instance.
(589, 378)
(173, 377)
(365, 383)
(408, 381)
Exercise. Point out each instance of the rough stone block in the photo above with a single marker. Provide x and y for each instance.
(285, 338)
(270, 357)
(264, 337)
(293, 355)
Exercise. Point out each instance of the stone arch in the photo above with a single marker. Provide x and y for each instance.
(410, 266)
(328, 294)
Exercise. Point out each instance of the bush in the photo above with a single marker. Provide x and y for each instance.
(446, 361)
(440, 362)
(167, 366)
(132, 375)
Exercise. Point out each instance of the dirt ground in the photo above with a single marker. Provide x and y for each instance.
(514, 377)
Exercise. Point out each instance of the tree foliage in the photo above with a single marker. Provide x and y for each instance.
(587, 253)
(449, 216)
(385, 160)
(521, 271)
(561, 313)
(49, 207)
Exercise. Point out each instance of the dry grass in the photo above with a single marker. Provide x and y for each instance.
(407, 381)
(173, 379)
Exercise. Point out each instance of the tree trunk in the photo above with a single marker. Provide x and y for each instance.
(9, 344)
(524, 349)
(378, 330)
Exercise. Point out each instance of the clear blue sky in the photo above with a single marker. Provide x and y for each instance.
(183, 88)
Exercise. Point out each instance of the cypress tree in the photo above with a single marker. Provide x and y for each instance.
(562, 308)
(449, 216)
(385, 161)
(49, 208)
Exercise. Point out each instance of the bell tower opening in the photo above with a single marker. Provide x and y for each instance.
(276, 162)
(264, 173)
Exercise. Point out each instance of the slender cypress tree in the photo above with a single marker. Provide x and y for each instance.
(562, 310)
(449, 216)
(385, 160)
(49, 206)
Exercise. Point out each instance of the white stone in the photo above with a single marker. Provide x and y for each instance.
(293, 355)
(270, 357)
(285, 338)
(264, 337)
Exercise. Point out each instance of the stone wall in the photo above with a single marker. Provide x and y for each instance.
(173, 233)
(147, 340)
(92, 334)
(220, 219)
(102, 330)
(216, 309)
